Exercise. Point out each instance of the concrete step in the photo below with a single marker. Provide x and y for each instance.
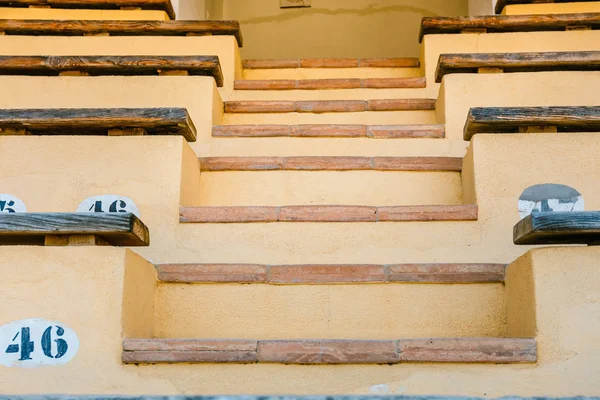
(274, 181)
(457, 350)
(331, 131)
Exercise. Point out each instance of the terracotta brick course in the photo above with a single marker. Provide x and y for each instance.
(487, 350)
(271, 64)
(428, 213)
(394, 83)
(237, 357)
(328, 214)
(209, 273)
(401, 104)
(333, 63)
(417, 163)
(323, 106)
(189, 345)
(389, 63)
(265, 106)
(329, 84)
(329, 63)
(446, 273)
(241, 163)
(406, 131)
(251, 130)
(328, 106)
(265, 84)
(323, 274)
(328, 352)
(328, 163)
(328, 130)
(228, 214)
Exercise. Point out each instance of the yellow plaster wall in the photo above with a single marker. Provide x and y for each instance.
(552, 8)
(68, 14)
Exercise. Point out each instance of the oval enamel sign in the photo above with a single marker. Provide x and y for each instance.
(36, 342)
(109, 203)
(11, 204)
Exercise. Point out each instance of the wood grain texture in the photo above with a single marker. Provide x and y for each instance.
(512, 119)
(111, 65)
(121, 28)
(518, 62)
(503, 3)
(331, 351)
(162, 5)
(118, 229)
(332, 63)
(328, 274)
(572, 227)
(327, 213)
(331, 163)
(98, 121)
(507, 23)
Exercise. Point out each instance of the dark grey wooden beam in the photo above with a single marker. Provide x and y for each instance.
(574, 227)
(98, 121)
(162, 5)
(518, 62)
(117, 229)
(507, 23)
(121, 28)
(512, 119)
(111, 65)
(503, 3)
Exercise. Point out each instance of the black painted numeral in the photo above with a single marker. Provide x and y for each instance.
(26, 346)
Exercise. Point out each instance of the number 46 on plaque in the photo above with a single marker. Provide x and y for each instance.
(109, 204)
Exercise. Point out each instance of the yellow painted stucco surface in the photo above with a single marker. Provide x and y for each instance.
(68, 14)
(552, 8)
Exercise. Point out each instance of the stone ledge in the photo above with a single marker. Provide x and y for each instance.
(332, 131)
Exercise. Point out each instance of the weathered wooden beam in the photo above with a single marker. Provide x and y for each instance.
(572, 227)
(518, 119)
(162, 5)
(507, 23)
(117, 229)
(98, 121)
(121, 28)
(503, 3)
(111, 65)
(518, 62)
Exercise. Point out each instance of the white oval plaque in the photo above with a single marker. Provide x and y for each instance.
(109, 203)
(36, 342)
(11, 204)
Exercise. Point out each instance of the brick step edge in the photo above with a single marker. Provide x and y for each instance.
(325, 84)
(327, 213)
(332, 63)
(325, 106)
(455, 350)
(332, 131)
(326, 274)
(312, 163)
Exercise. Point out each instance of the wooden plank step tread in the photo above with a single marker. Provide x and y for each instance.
(327, 274)
(328, 163)
(325, 106)
(162, 5)
(332, 63)
(326, 84)
(518, 62)
(332, 131)
(572, 227)
(111, 65)
(507, 23)
(331, 351)
(117, 229)
(121, 28)
(503, 3)
(327, 213)
(98, 121)
(518, 119)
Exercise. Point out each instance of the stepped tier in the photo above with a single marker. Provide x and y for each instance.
(531, 119)
(459, 350)
(503, 3)
(517, 62)
(98, 121)
(508, 23)
(112, 65)
(61, 229)
(121, 28)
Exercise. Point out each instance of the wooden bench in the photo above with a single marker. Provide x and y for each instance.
(73, 229)
(517, 62)
(503, 3)
(98, 121)
(508, 23)
(162, 5)
(572, 227)
(531, 119)
(112, 65)
(121, 28)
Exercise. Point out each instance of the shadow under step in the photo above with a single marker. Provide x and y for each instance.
(328, 106)
(325, 84)
(332, 131)
(327, 274)
(449, 350)
(327, 213)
